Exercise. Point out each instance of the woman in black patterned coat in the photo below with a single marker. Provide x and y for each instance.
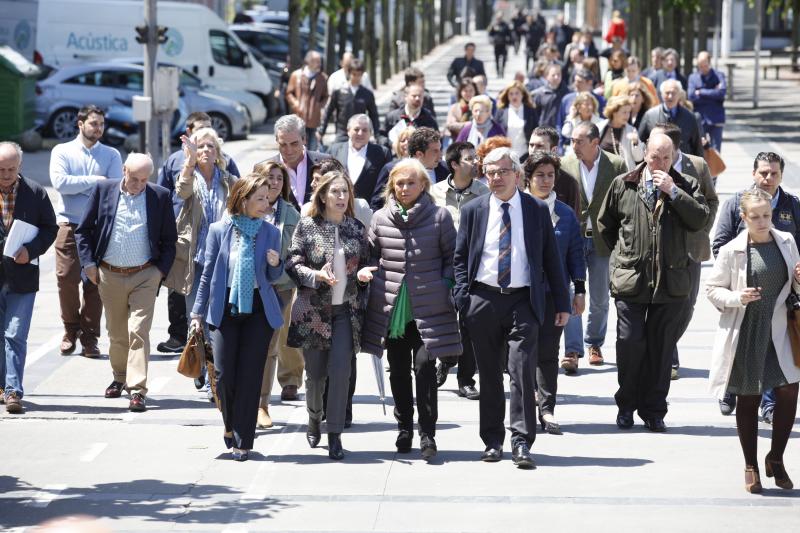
(328, 249)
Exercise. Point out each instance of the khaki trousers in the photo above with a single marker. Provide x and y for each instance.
(129, 301)
(287, 362)
(77, 316)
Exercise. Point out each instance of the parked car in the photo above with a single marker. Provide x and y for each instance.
(66, 90)
(270, 39)
(120, 124)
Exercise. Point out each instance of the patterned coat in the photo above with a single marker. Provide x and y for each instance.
(312, 247)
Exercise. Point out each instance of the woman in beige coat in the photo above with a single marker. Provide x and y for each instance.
(752, 278)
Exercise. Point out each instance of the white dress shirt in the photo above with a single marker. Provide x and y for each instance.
(589, 178)
(356, 159)
(489, 265)
(297, 178)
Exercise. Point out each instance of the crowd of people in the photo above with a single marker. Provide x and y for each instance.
(568, 185)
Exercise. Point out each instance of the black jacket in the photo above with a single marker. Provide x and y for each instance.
(94, 232)
(313, 159)
(458, 64)
(398, 101)
(424, 119)
(500, 34)
(31, 205)
(530, 116)
(691, 142)
(365, 184)
(345, 104)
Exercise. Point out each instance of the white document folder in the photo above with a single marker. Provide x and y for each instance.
(21, 233)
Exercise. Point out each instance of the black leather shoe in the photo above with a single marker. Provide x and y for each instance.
(655, 425)
(335, 451)
(312, 433)
(625, 419)
(428, 447)
(114, 390)
(171, 345)
(521, 455)
(403, 442)
(442, 370)
(727, 404)
(492, 454)
(469, 392)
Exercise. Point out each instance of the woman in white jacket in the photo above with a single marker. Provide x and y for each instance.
(617, 136)
(752, 278)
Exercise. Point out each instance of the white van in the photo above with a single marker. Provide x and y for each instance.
(75, 31)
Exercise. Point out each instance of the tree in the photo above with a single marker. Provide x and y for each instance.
(388, 38)
(295, 52)
(369, 37)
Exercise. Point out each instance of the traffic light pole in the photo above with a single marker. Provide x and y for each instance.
(150, 49)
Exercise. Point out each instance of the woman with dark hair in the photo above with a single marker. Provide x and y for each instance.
(460, 114)
(236, 299)
(517, 116)
(411, 311)
(281, 214)
(540, 175)
(328, 249)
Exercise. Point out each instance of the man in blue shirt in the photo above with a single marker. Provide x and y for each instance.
(75, 168)
(707, 90)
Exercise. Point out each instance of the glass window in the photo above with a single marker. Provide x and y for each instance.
(224, 49)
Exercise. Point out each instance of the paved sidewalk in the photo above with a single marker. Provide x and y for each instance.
(76, 452)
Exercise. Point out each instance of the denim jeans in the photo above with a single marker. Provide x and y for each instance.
(597, 319)
(715, 132)
(16, 310)
(767, 401)
(573, 331)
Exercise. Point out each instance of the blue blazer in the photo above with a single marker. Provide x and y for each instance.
(94, 231)
(541, 249)
(210, 302)
(570, 242)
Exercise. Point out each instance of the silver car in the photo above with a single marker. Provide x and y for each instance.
(65, 91)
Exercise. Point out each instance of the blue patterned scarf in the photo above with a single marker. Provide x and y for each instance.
(244, 272)
(210, 201)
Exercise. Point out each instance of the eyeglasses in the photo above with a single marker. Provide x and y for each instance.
(498, 172)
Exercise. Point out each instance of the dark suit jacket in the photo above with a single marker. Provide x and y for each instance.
(365, 183)
(541, 248)
(691, 142)
(345, 104)
(31, 205)
(458, 64)
(530, 116)
(393, 117)
(313, 159)
(94, 231)
(660, 77)
(398, 101)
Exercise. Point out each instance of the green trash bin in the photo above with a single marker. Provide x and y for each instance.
(18, 86)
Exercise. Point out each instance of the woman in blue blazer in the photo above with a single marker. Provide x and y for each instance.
(235, 297)
(541, 170)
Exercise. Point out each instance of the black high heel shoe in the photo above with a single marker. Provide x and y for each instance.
(550, 426)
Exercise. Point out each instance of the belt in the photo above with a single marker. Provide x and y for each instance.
(588, 233)
(501, 290)
(126, 270)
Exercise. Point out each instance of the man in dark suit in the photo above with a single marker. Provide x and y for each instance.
(413, 75)
(412, 114)
(460, 63)
(671, 111)
(24, 200)
(362, 159)
(506, 257)
(291, 138)
(126, 243)
(670, 63)
(349, 100)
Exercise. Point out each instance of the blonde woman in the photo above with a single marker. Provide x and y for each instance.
(583, 109)
(483, 125)
(617, 136)
(753, 276)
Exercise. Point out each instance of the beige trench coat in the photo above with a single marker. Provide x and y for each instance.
(723, 289)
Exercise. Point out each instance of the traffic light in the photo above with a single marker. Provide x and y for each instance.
(141, 34)
(161, 34)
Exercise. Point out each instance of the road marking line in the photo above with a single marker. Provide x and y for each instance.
(43, 349)
(93, 451)
(48, 493)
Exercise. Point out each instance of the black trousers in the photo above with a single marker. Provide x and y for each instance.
(688, 310)
(500, 57)
(240, 352)
(466, 363)
(504, 319)
(646, 335)
(176, 311)
(547, 358)
(405, 353)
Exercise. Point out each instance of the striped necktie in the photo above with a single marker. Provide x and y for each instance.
(504, 258)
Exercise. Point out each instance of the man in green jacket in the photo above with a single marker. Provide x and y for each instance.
(594, 170)
(645, 220)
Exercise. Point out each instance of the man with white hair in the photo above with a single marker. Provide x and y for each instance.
(645, 220)
(25, 201)
(671, 111)
(126, 243)
(506, 254)
(362, 159)
(307, 94)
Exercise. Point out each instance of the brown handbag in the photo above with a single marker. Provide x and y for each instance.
(716, 165)
(193, 356)
(793, 325)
